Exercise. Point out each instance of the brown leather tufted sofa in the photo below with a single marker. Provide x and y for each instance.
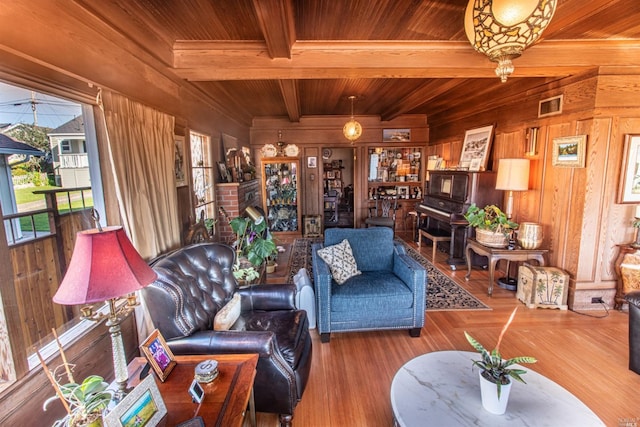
(634, 330)
(194, 283)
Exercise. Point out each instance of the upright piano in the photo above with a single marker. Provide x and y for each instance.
(449, 194)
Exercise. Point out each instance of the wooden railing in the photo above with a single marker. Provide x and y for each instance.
(74, 161)
(39, 259)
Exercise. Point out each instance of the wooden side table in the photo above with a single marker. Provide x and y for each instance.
(226, 398)
(496, 254)
(627, 268)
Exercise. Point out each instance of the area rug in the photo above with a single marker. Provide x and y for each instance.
(442, 293)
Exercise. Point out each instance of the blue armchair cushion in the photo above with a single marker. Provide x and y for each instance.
(340, 260)
(372, 291)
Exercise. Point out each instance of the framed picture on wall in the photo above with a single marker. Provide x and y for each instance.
(179, 169)
(569, 151)
(475, 148)
(312, 162)
(396, 135)
(629, 186)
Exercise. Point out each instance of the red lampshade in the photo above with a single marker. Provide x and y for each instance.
(104, 265)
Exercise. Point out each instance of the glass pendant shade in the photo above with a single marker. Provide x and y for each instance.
(352, 130)
(503, 29)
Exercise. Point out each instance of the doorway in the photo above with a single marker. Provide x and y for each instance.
(338, 178)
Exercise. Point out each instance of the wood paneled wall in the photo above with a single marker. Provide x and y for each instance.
(312, 134)
(577, 206)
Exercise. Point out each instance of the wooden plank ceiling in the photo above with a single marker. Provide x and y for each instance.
(304, 58)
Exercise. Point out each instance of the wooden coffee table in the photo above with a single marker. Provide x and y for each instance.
(226, 397)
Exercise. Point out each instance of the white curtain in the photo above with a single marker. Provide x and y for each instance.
(141, 153)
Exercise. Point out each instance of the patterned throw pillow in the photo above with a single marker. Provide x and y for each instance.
(340, 260)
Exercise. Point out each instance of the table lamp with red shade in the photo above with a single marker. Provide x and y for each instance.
(106, 267)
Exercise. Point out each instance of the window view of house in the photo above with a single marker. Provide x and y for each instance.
(44, 179)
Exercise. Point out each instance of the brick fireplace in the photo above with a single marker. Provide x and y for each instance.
(234, 197)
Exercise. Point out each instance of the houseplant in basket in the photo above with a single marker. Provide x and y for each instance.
(493, 228)
(496, 373)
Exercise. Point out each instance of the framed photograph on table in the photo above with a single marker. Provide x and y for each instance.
(475, 148)
(143, 406)
(569, 151)
(158, 355)
(629, 186)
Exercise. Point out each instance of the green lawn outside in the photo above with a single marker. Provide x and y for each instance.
(25, 195)
(41, 221)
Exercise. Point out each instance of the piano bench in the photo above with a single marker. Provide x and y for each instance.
(434, 238)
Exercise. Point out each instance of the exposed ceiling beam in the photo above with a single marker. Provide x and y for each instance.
(277, 22)
(202, 60)
(291, 96)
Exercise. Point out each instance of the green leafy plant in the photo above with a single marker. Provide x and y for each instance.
(245, 273)
(85, 401)
(253, 240)
(489, 218)
(494, 367)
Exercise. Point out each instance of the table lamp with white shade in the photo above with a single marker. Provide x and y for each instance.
(513, 175)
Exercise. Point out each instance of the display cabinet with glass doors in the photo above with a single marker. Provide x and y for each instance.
(281, 194)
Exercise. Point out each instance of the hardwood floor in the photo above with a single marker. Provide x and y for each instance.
(351, 376)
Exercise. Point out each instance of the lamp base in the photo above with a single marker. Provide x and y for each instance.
(508, 283)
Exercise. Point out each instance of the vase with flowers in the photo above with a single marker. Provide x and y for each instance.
(496, 373)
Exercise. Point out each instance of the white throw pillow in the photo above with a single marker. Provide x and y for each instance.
(340, 260)
(227, 316)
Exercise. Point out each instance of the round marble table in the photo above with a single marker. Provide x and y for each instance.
(442, 389)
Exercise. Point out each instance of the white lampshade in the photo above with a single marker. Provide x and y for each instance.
(513, 175)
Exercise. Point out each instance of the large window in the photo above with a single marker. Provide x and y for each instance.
(203, 175)
(37, 214)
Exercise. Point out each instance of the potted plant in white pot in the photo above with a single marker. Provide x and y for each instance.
(496, 373)
(493, 228)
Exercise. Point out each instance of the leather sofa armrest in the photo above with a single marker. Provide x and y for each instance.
(225, 342)
(633, 297)
(268, 297)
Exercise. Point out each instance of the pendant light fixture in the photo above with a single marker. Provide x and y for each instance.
(352, 130)
(503, 29)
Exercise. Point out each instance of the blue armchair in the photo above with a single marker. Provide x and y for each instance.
(389, 294)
